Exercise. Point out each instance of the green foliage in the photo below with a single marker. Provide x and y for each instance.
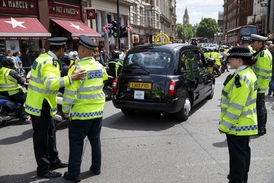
(207, 28)
(185, 31)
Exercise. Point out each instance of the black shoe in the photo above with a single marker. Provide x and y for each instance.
(50, 174)
(96, 172)
(67, 177)
(60, 165)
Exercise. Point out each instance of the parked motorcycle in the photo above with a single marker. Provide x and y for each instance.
(108, 87)
(8, 110)
(212, 67)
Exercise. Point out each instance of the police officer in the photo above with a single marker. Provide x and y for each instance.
(245, 42)
(238, 113)
(114, 65)
(10, 86)
(263, 70)
(41, 104)
(83, 104)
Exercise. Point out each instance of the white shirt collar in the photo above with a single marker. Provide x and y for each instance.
(240, 68)
(52, 55)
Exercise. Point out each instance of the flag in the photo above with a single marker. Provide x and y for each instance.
(129, 28)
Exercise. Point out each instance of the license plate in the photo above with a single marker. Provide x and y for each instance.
(135, 85)
(210, 68)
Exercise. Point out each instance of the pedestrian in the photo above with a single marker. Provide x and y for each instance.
(263, 70)
(44, 84)
(238, 112)
(17, 56)
(26, 61)
(114, 65)
(83, 104)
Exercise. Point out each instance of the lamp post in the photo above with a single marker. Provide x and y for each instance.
(267, 5)
(118, 25)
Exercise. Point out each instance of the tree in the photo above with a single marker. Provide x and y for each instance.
(185, 31)
(207, 28)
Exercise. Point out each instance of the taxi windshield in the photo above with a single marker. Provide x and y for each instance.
(149, 60)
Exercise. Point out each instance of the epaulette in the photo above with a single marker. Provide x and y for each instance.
(237, 81)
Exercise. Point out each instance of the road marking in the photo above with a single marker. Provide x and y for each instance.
(207, 110)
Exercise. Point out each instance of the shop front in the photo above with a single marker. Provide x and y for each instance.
(65, 20)
(20, 28)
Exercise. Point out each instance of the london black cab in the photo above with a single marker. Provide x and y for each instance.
(169, 78)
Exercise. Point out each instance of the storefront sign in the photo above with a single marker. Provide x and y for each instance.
(90, 14)
(23, 38)
(28, 7)
(64, 10)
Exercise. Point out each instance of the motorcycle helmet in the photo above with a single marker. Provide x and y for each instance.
(65, 58)
(115, 54)
(73, 55)
(7, 62)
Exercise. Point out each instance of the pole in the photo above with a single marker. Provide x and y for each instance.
(118, 25)
(268, 16)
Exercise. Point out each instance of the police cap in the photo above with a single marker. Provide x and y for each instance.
(87, 42)
(245, 39)
(57, 41)
(256, 37)
(239, 52)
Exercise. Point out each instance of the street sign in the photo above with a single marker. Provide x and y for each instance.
(90, 13)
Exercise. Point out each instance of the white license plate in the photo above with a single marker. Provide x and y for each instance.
(139, 94)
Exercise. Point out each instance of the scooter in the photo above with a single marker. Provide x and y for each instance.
(8, 110)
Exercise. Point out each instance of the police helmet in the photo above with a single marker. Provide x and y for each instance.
(65, 58)
(7, 62)
(115, 54)
(73, 55)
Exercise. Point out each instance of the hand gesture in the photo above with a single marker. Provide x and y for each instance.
(78, 75)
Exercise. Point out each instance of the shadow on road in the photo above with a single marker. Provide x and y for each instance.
(220, 144)
(31, 177)
(16, 139)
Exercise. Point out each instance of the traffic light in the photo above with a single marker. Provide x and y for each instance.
(123, 32)
(114, 28)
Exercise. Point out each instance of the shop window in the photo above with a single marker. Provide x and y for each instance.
(33, 46)
(2, 48)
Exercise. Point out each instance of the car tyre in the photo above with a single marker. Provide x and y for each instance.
(127, 112)
(212, 92)
(183, 114)
(2, 121)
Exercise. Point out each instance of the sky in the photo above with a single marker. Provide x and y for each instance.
(198, 9)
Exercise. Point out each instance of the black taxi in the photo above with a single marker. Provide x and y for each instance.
(165, 78)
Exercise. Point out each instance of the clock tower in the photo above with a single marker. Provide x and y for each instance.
(186, 17)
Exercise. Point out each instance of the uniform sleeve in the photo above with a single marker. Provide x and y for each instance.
(70, 93)
(237, 100)
(105, 75)
(51, 77)
(17, 77)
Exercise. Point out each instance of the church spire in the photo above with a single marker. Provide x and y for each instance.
(186, 17)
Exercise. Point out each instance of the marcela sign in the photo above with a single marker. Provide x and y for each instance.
(28, 7)
(64, 10)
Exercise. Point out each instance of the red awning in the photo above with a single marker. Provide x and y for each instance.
(22, 28)
(77, 28)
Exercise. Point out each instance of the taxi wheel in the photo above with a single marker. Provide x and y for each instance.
(212, 92)
(183, 114)
(2, 121)
(127, 111)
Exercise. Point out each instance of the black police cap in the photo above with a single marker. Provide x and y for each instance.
(87, 42)
(58, 41)
(240, 52)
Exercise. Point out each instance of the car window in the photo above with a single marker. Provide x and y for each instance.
(149, 59)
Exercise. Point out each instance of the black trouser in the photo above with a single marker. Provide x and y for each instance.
(20, 98)
(44, 140)
(261, 110)
(239, 158)
(78, 130)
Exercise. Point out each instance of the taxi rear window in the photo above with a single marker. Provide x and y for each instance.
(150, 60)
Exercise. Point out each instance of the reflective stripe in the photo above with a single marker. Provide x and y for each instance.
(5, 78)
(68, 100)
(225, 101)
(231, 115)
(41, 90)
(37, 80)
(237, 106)
(48, 84)
(224, 93)
(86, 89)
(263, 70)
(263, 77)
(32, 109)
(8, 85)
(262, 89)
(66, 107)
(86, 114)
(89, 96)
(250, 111)
(70, 92)
(226, 124)
(62, 82)
(49, 77)
(249, 101)
(244, 128)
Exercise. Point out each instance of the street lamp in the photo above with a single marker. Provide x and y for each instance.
(267, 5)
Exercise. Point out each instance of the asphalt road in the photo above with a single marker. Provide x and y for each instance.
(146, 148)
